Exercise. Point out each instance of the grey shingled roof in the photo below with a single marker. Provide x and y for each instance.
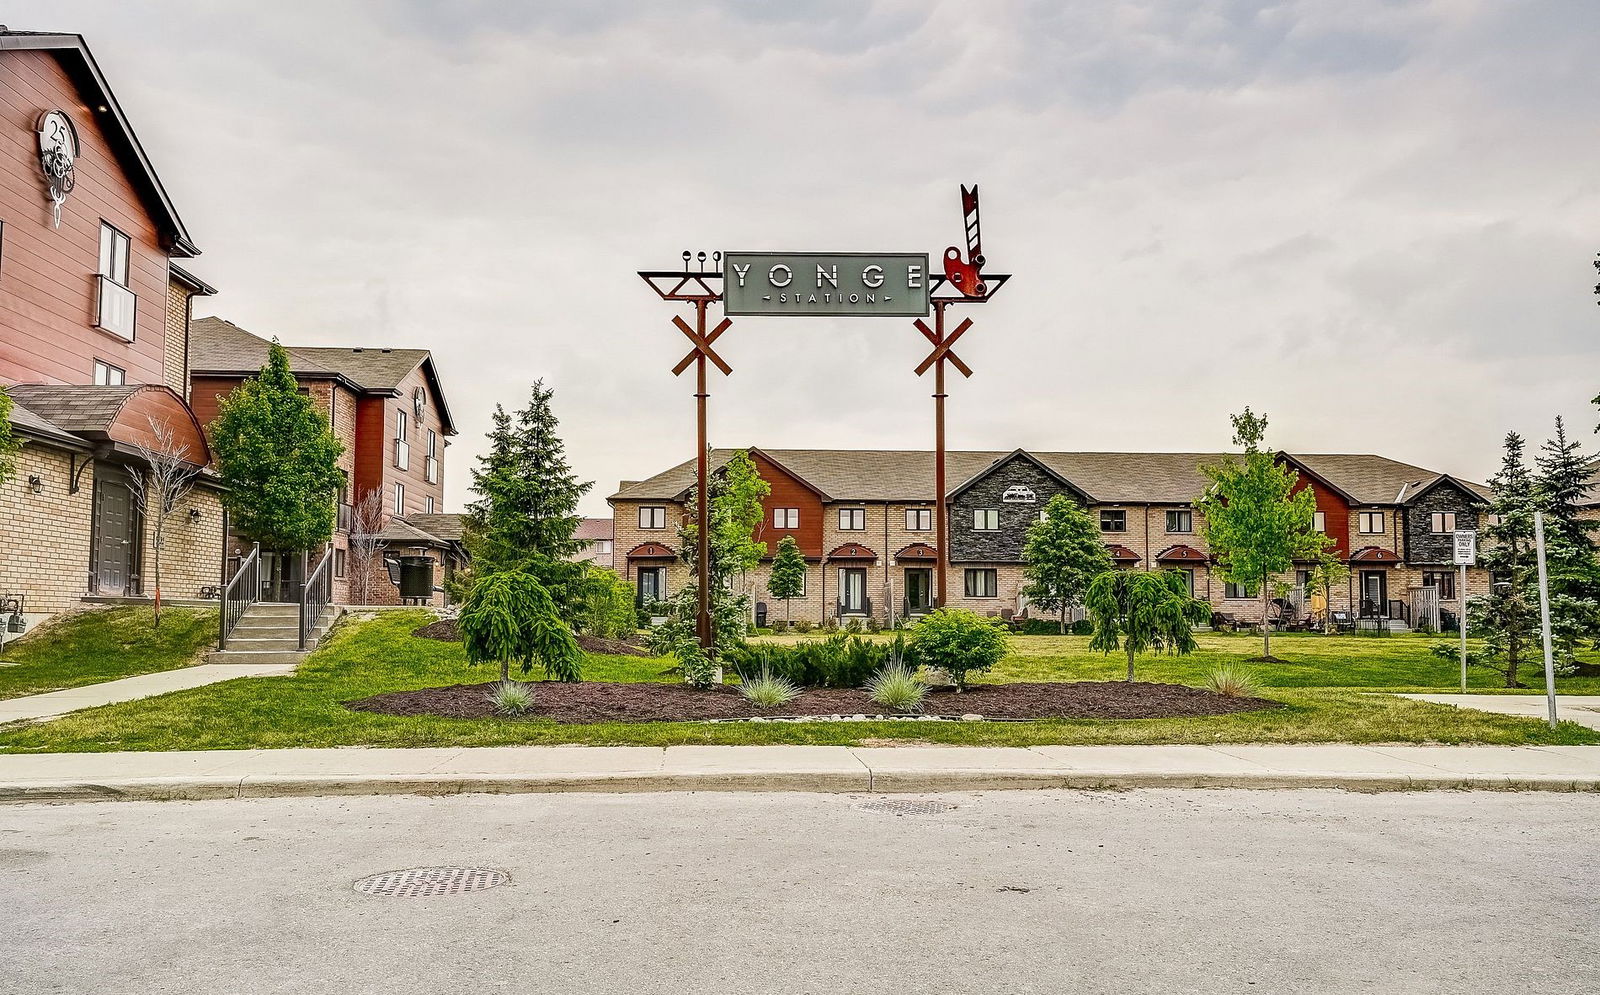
(25, 419)
(448, 526)
(76, 408)
(374, 369)
(1162, 478)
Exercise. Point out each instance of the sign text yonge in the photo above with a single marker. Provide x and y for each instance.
(858, 285)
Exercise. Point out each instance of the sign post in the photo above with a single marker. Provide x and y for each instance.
(1466, 549)
(1544, 617)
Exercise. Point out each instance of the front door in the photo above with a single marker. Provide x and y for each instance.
(281, 576)
(852, 591)
(919, 590)
(114, 532)
(652, 586)
(1374, 594)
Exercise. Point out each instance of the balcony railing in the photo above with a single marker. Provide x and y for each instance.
(402, 454)
(116, 309)
(430, 469)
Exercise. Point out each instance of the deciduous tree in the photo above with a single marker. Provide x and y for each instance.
(1062, 554)
(278, 460)
(1256, 524)
(165, 478)
(788, 578)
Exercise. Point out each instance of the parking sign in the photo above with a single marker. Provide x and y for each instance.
(1466, 547)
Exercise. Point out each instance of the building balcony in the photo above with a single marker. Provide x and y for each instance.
(430, 469)
(116, 309)
(402, 454)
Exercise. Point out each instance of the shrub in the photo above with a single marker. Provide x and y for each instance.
(1082, 627)
(958, 642)
(853, 626)
(801, 625)
(767, 691)
(1234, 681)
(837, 661)
(511, 617)
(873, 626)
(606, 605)
(511, 697)
(898, 688)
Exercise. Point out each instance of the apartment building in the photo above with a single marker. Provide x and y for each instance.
(388, 408)
(94, 315)
(864, 521)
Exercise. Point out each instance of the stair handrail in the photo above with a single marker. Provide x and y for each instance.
(241, 591)
(314, 597)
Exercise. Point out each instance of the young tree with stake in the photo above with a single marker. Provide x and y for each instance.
(1256, 524)
(788, 578)
(162, 483)
(1063, 553)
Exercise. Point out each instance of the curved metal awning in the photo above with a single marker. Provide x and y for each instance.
(852, 551)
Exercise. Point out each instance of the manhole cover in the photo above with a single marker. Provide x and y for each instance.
(425, 882)
(905, 806)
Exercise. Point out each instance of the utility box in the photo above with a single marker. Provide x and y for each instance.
(416, 577)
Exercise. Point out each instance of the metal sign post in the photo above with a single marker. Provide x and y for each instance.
(1544, 617)
(1466, 548)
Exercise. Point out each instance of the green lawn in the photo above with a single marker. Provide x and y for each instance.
(89, 647)
(369, 657)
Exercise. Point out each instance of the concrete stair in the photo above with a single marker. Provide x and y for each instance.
(270, 633)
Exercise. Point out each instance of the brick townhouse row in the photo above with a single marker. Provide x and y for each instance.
(98, 344)
(864, 521)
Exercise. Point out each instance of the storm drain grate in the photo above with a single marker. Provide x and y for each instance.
(426, 882)
(905, 806)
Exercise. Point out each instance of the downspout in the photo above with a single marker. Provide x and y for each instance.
(888, 562)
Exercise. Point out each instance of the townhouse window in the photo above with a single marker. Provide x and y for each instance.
(1442, 521)
(983, 582)
(1444, 580)
(338, 563)
(986, 519)
(786, 518)
(106, 375)
(1319, 522)
(430, 464)
(116, 306)
(402, 448)
(603, 547)
(399, 498)
(1114, 520)
(919, 519)
(430, 505)
(852, 519)
(1371, 523)
(1188, 577)
(1232, 590)
(1180, 520)
(653, 517)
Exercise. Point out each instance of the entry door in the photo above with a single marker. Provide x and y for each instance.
(280, 576)
(852, 590)
(652, 585)
(113, 532)
(1374, 594)
(919, 589)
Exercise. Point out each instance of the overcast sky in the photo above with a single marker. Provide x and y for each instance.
(1372, 220)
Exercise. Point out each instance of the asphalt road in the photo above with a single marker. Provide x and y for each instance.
(1153, 891)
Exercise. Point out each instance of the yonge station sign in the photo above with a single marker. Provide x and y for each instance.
(857, 285)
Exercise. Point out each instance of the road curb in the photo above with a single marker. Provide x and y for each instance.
(201, 788)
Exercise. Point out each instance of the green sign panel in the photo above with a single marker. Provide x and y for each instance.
(848, 284)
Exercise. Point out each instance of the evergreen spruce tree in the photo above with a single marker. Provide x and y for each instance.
(1063, 553)
(526, 515)
(278, 460)
(1508, 616)
(1573, 572)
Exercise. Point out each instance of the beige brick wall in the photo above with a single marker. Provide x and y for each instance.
(628, 535)
(44, 537)
(192, 559)
(382, 591)
(175, 347)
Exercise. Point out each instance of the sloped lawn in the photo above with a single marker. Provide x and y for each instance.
(379, 655)
(97, 645)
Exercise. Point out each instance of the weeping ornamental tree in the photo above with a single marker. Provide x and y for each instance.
(510, 618)
(1143, 611)
(278, 460)
(1256, 524)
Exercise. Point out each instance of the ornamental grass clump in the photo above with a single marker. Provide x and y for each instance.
(766, 691)
(511, 697)
(898, 688)
(1233, 681)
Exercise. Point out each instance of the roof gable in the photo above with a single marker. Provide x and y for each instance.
(1008, 459)
(74, 55)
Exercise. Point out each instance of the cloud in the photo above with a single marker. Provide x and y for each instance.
(1372, 219)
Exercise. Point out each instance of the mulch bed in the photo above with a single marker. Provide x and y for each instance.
(602, 702)
(447, 631)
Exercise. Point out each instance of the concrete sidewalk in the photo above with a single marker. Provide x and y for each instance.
(53, 703)
(263, 773)
(1583, 709)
